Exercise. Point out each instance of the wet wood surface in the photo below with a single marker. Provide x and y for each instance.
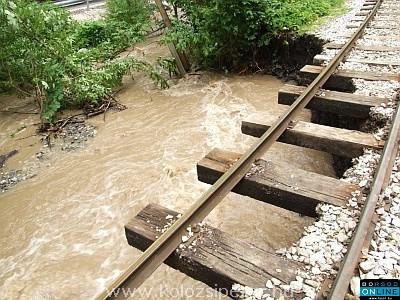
(339, 141)
(219, 260)
(282, 185)
(345, 104)
(342, 79)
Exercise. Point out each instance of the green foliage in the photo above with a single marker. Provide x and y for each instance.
(168, 64)
(47, 55)
(134, 14)
(223, 33)
(125, 25)
(91, 34)
(129, 19)
(104, 39)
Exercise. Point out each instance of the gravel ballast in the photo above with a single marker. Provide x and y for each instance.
(324, 244)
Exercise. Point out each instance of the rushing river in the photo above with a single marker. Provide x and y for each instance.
(62, 232)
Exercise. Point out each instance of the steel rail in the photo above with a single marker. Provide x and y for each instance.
(159, 251)
(68, 4)
(350, 261)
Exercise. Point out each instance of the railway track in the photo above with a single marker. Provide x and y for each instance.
(186, 243)
(78, 4)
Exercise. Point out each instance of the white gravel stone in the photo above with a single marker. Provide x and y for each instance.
(396, 221)
(367, 266)
(355, 286)
(258, 293)
(248, 291)
(379, 271)
(312, 283)
(336, 28)
(275, 281)
(269, 284)
(296, 286)
(93, 14)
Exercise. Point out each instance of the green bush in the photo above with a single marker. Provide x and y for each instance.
(130, 17)
(47, 55)
(224, 33)
(104, 39)
(134, 13)
(91, 34)
(125, 24)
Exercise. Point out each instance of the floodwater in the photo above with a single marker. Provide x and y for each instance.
(62, 232)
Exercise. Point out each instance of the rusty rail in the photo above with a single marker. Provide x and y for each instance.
(380, 182)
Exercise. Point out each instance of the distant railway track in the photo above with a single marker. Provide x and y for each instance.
(183, 242)
(74, 3)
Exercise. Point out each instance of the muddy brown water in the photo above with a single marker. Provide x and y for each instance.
(62, 234)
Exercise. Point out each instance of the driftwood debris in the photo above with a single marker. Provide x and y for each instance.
(6, 156)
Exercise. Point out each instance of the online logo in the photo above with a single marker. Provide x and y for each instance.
(380, 289)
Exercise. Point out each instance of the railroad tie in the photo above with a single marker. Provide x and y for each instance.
(345, 104)
(282, 185)
(363, 47)
(219, 260)
(320, 59)
(342, 79)
(338, 141)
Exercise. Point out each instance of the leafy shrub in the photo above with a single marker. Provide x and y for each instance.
(47, 55)
(104, 39)
(223, 34)
(35, 40)
(133, 16)
(125, 24)
(91, 34)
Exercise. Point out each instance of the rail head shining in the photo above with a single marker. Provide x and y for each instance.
(159, 251)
